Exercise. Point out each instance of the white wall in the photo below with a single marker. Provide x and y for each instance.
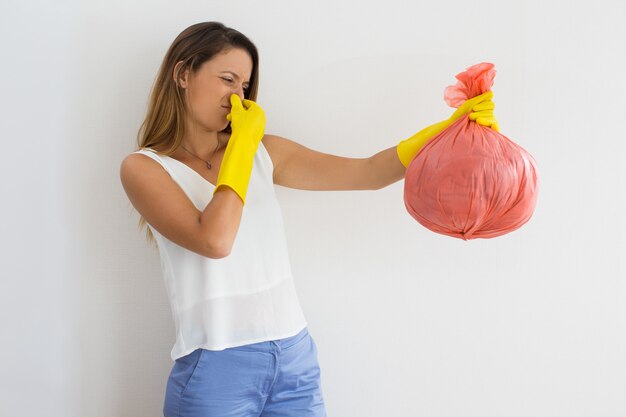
(408, 322)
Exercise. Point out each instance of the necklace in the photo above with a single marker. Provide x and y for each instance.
(208, 163)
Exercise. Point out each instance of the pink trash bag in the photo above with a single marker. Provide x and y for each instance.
(470, 181)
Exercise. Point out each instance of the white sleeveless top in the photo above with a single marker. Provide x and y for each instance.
(246, 297)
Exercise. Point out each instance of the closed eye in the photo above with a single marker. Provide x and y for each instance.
(230, 80)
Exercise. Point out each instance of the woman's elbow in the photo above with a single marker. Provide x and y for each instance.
(218, 249)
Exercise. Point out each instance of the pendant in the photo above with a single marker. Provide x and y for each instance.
(208, 164)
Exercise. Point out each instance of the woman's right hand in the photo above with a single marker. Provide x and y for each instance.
(246, 119)
(248, 126)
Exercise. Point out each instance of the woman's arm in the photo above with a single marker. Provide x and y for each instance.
(296, 166)
(163, 204)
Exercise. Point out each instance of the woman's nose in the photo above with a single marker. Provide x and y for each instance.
(239, 92)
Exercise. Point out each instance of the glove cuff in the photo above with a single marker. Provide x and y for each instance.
(236, 166)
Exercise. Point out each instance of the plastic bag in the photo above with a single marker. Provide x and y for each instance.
(470, 181)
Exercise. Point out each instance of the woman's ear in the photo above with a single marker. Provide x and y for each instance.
(182, 78)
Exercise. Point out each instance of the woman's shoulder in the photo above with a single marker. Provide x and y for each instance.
(139, 156)
(138, 161)
(270, 141)
(275, 146)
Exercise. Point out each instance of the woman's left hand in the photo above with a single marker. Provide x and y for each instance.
(480, 109)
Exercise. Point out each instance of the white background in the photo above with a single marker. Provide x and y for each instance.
(408, 322)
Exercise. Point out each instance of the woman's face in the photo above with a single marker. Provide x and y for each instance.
(209, 89)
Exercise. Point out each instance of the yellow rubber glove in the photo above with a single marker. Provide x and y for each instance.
(247, 122)
(480, 109)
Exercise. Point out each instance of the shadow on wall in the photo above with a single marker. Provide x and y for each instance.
(123, 317)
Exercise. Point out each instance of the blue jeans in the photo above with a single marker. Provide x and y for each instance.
(279, 378)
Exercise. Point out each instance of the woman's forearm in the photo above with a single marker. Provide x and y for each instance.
(386, 168)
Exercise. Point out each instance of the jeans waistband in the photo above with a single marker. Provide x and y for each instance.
(292, 340)
(282, 343)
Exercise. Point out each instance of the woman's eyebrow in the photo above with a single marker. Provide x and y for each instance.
(235, 75)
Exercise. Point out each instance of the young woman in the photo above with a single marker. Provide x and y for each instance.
(203, 180)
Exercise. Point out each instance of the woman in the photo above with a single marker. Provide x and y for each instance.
(203, 181)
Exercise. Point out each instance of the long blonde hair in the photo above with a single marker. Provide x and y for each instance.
(163, 127)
